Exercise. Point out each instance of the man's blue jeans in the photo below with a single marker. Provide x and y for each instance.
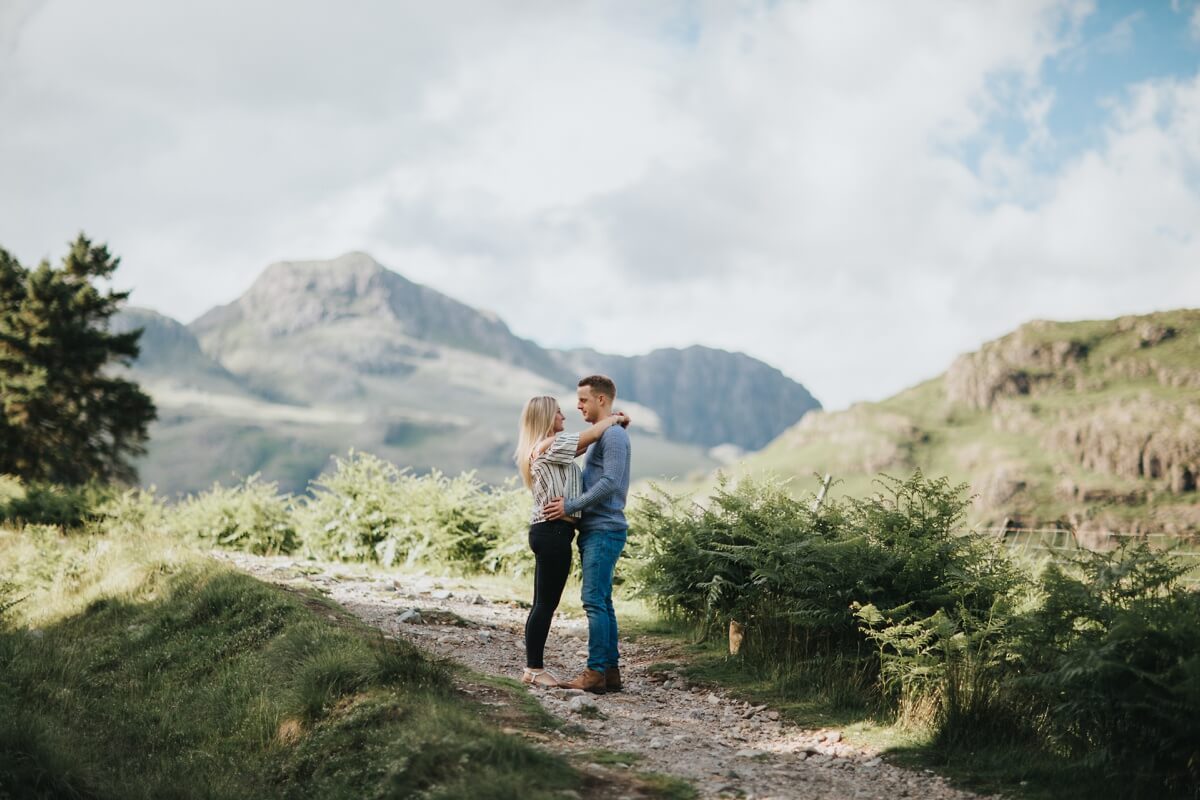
(598, 552)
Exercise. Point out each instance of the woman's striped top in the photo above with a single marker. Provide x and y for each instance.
(555, 474)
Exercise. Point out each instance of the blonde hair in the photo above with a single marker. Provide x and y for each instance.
(537, 421)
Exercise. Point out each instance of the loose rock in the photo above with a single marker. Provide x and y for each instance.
(579, 703)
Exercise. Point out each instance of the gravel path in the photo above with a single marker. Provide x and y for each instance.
(722, 746)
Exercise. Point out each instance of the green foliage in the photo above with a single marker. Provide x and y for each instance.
(40, 503)
(880, 601)
(947, 671)
(251, 516)
(130, 512)
(195, 681)
(63, 417)
(794, 573)
(366, 510)
(9, 598)
(369, 510)
(1113, 655)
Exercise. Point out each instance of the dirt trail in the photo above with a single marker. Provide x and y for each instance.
(722, 746)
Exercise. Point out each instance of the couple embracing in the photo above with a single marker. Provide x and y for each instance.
(566, 499)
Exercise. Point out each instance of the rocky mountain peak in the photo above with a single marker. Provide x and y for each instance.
(293, 297)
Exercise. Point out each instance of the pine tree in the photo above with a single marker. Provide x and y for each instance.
(64, 417)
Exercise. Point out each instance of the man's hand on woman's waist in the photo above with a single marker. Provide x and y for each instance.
(555, 509)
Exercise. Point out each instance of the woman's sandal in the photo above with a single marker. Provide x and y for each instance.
(540, 678)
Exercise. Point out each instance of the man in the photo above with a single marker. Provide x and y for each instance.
(602, 533)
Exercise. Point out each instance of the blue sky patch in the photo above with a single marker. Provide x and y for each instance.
(1118, 45)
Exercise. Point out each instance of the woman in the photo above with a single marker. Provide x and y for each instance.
(545, 457)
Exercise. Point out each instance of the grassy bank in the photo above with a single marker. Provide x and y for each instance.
(134, 668)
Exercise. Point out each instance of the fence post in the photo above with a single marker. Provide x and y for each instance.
(737, 634)
(821, 495)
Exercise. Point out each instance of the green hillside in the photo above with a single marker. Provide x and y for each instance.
(1094, 424)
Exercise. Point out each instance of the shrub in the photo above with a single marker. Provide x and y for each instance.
(946, 671)
(754, 554)
(922, 561)
(40, 503)
(1097, 659)
(131, 512)
(369, 510)
(251, 516)
(1113, 654)
(795, 573)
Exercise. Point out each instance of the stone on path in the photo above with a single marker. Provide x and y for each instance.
(411, 616)
(580, 702)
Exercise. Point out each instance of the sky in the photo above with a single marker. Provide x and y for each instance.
(854, 192)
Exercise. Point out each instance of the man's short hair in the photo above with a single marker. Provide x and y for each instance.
(600, 384)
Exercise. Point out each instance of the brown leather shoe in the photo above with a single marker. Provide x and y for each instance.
(589, 680)
(612, 679)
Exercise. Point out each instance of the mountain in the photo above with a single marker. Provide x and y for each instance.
(318, 357)
(171, 354)
(1091, 424)
(356, 311)
(705, 396)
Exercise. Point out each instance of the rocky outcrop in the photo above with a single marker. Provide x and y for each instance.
(1019, 364)
(1164, 349)
(1143, 438)
(703, 395)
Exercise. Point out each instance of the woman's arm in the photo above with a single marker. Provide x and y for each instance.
(587, 438)
(541, 447)
(593, 434)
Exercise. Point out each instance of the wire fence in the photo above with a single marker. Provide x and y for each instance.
(1061, 542)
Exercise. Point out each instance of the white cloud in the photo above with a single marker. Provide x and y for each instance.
(788, 181)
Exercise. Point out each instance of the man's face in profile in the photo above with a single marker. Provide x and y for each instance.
(591, 404)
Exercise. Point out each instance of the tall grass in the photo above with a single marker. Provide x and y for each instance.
(146, 671)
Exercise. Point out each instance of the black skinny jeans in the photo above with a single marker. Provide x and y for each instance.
(551, 546)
